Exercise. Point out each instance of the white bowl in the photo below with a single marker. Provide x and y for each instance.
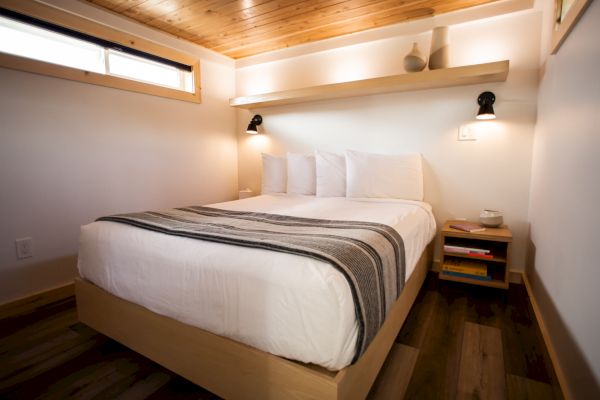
(491, 218)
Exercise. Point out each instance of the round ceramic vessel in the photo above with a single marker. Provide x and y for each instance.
(414, 61)
(491, 218)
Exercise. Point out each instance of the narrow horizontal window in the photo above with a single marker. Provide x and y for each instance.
(40, 44)
(35, 39)
(138, 68)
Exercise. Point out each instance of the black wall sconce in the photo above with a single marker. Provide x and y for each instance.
(252, 126)
(486, 110)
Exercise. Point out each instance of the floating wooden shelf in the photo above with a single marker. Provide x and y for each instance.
(439, 78)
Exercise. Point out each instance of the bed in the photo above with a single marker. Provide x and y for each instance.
(278, 325)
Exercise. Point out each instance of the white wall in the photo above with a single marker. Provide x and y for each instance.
(71, 152)
(461, 178)
(564, 200)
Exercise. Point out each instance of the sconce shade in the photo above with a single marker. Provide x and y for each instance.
(486, 109)
(252, 126)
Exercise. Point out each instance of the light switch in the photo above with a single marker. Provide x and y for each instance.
(24, 248)
(465, 132)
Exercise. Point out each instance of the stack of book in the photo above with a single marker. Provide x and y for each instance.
(466, 269)
(470, 251)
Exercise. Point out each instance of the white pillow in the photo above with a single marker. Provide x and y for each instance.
(301, 176)
(381, 175)
(331, 174)
(273, 174)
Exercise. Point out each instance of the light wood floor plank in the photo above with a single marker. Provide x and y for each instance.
(481, 374)
(395, 374)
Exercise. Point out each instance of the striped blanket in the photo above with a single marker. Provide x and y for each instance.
(369, 255)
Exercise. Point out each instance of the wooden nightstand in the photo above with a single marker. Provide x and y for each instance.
(495, 240)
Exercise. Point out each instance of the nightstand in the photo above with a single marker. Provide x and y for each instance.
(488, 250)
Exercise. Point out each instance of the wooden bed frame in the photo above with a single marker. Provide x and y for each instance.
(234, 370)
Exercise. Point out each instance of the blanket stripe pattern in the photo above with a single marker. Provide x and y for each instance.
(369, 255)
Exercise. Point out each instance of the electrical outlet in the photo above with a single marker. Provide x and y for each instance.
(465, 132)
(24, 247)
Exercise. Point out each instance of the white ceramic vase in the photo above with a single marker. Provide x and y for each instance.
(415, 61)
(440, 48)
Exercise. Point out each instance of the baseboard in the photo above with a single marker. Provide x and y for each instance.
(547, 340)
(31, 302)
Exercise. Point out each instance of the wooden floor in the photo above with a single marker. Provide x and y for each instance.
(468, 342)
(459, 342)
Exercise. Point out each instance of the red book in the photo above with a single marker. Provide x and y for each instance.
(467, 227)
(474, 255)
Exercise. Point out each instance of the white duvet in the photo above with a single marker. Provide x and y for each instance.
(285, 304)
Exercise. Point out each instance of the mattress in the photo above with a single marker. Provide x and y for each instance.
(288, 305)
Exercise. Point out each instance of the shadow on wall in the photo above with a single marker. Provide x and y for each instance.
(431, 185)
(580, 380)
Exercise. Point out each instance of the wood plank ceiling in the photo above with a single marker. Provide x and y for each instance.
(242, 28)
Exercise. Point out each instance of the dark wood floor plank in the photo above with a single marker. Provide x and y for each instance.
(481, 374)
(17, 322)
(42, 347)
(22, 337)
(395, 374)
(520, 388)
(439, 337)
(39, 365)
(182, 389)
(52, 380)
(529, 357)
(418, 320)
(96, 379)
(143, 388)
(454, 335)
(35, 354)
(48, 354)
(429, 376)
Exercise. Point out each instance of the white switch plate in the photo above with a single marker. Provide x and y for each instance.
(465, 132)
(24, 247)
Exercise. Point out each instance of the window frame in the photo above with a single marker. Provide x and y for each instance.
(89, 27)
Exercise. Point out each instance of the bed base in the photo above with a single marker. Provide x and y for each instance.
(234, 370)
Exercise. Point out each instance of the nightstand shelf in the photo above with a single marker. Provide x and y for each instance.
(497, 241)
(494, 259)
